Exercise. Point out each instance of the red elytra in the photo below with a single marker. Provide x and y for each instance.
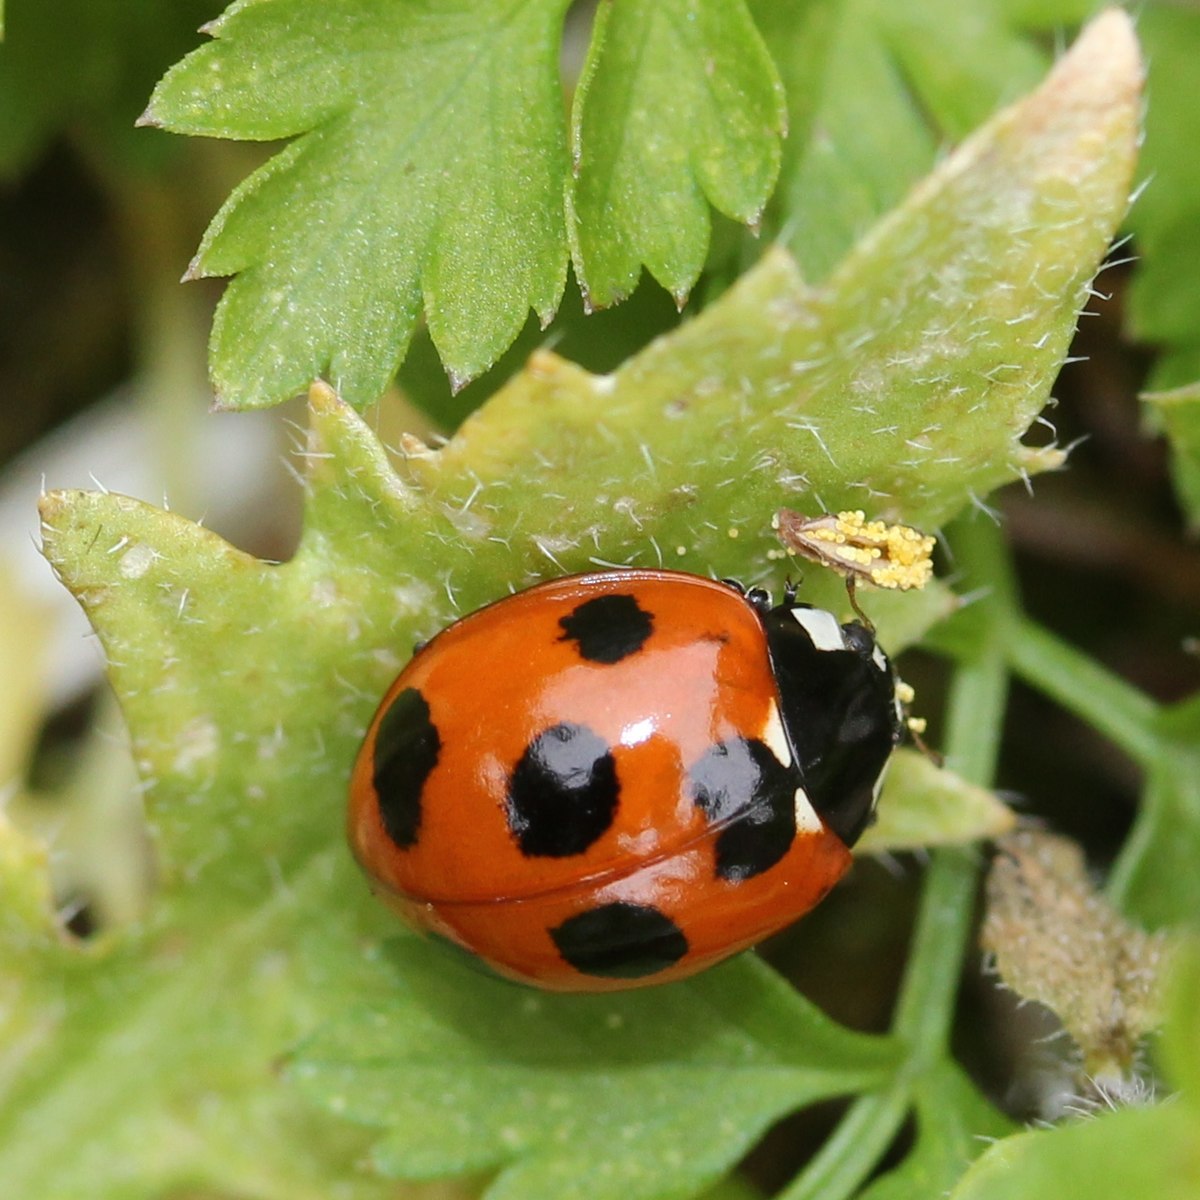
(621, 778)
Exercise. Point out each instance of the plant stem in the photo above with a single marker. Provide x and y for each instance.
(847, 1158)
(925, 1009)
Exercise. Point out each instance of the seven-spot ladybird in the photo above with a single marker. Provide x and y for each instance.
(621, 778)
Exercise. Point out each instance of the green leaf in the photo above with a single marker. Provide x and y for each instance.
(1134, 1154)
(147, 1065)
(960, 61)
(683, 1079)
(1178, 414)
(1166, 217)
(24, 627)
(733, 1188)
(956, 310)
(1179, 1049)
(679, 106)
(1052, 15)
(600, 341)
(926, 805)
(427, 174)
(874, 89)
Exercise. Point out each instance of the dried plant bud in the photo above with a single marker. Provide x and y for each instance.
(1057, 940)
(889, 556)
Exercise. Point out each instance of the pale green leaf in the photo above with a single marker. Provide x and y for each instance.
(139, 1067)
(27, 921)
(1134, 1154)
(926, 805)
(23, 633)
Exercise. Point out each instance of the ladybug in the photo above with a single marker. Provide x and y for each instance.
(621, 778)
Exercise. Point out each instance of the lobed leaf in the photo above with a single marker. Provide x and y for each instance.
(147, 1065)
(679, 106)
(426, 174)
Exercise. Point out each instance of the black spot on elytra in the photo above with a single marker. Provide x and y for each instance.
(620, 941)
(608, 628)
(407, 745)
(742, 787)
(563, 792)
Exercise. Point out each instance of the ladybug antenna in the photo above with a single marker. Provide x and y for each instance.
(790, 588)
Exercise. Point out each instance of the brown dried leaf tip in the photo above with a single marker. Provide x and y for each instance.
(862, 551)
(1057, 940)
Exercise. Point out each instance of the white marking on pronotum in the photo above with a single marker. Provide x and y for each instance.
(822, 628)
(878, 659)
(807, 820)
(774, 737)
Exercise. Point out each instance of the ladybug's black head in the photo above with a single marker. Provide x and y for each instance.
(837, 699)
